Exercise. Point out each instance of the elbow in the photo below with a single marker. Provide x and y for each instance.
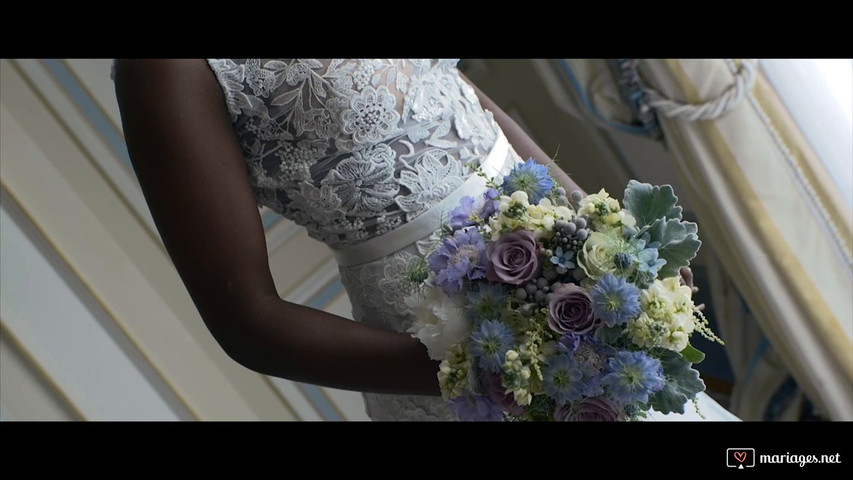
(235, 342)
(249, 338)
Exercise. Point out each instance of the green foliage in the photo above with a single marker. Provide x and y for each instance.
(682, 383)
(648, 203)
(657, 213)
(678, 244)
(692, 355)
(608, 335)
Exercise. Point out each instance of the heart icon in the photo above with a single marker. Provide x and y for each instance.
(740, 456)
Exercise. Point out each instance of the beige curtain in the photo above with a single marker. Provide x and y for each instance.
(784, 249)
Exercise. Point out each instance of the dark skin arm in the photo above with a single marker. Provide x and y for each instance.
(193, 175)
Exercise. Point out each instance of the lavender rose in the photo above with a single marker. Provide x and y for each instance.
(497, 393)
(570, 311)
(514, 259)
(593, 409)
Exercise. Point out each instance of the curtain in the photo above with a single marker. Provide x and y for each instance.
(780, 227)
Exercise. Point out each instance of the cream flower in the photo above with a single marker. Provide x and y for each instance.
(642, 331)
(596, 258)
(657, 301)
(620, 218)
(667, 318)
(453, 371)
(606, 210)
(597, 204)
(521, 197)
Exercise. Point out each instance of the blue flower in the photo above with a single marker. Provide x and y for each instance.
(476, 409)
(633, 377)
(590, 355)
(649, 262)
(529, 177)
(490, 343)
(615, 300)
(487, 302)
(563, 259)
(463, 215)
(462, 255)
(647, 256)
(563, 379)
(491, 204)
(569, 343)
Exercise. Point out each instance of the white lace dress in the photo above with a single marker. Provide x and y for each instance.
(354, 150)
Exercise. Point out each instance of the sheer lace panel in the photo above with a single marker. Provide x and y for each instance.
(353, 148)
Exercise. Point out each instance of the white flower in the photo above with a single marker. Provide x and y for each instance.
(440, 320)
(454, 371)
(372, 115)
(667, 318)
(676, 341)
(548, 222)
(605, 209)
(563, 213)
(521, 197)
(657, 302)
(597, 253)
(679, 295)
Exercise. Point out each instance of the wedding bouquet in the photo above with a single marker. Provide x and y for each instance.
(543, 306)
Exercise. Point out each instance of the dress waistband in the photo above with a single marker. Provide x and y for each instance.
(426, 223)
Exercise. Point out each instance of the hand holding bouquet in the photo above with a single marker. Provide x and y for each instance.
(545, 307)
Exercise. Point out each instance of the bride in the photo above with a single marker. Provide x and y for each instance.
(365, 154)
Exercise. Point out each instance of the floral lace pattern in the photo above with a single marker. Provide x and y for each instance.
(351, 149)
(388, 310)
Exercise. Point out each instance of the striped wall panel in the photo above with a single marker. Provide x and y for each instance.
(96, 323)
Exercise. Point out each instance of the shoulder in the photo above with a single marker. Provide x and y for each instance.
(162, 79)
(161, 69)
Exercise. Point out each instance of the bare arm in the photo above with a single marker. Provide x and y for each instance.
(193, 174)
(521, 142)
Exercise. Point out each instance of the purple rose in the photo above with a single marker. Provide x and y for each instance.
(593, 409)
(497, 393)
(514, 259)
(570, 311)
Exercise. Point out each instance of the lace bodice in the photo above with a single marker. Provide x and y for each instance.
(351, 149)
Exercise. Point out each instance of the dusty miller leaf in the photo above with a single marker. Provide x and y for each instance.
(648, 203)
